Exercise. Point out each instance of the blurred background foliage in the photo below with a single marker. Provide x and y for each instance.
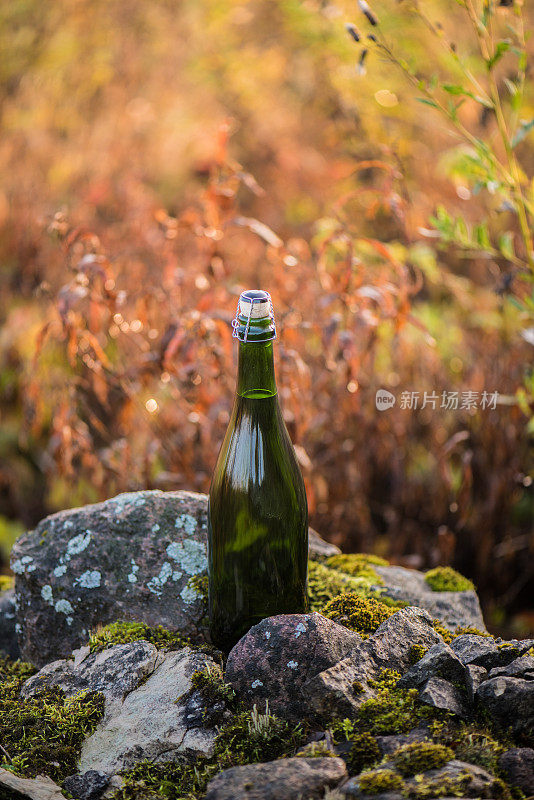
(157, 158)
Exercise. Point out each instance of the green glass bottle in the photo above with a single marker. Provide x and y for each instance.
(257, 513)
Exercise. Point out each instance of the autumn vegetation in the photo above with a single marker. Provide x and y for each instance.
(158, 158)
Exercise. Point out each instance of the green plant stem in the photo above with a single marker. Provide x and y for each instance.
(485, 38)
(441, 38)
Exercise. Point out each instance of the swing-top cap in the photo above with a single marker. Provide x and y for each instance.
(254, 305)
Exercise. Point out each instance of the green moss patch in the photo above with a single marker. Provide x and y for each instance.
(417, 651)
(411, 759)
(363, 753)
(358, 565)
(43, 735)
(472, 630)
(324, 584)
(6, 582)
(210, 683)
(380, 781)
(316, 750)
(446, 579)
(472, 743)
(393, 710)
(360, 614)
(123, 632)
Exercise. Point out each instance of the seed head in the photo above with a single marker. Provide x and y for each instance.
(364, 8)
(353, 31)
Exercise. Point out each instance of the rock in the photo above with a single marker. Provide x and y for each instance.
(8, 635)
(275, 658)
(131, 557)
(474, 675)
(318, 547)
(391, 643)
(510, 701)
(438, 662)
(285, 779)
(342, 688)
(388, 744)
(115, 672)
(40, 788)
(486, 651)
(440, 693)
(518, 765)
(352, 789)
(522, 667)
(454, 609)
(152, 721)
(476, 782)
(87, 786)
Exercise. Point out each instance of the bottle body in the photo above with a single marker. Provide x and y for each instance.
(257, 515)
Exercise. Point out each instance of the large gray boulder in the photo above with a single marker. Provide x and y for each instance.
(308, 666)
(273, 661)
(286, 779)
(454, 609)
(132, 557)
(147, 708)
(152, 722)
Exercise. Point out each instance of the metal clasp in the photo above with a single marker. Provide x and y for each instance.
(235, 321)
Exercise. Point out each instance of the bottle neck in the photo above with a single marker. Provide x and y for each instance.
(255, 377)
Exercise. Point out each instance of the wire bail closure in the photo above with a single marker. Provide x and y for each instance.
(252, 301)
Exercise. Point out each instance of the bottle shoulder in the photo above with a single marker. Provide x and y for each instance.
(257, 447)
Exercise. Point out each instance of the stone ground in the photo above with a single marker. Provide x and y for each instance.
(389, 688)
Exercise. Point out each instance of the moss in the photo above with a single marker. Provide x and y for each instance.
(446, 579)
(393, 709)
(324, 584)
(122, 632)
(444, 632)
(380, 781)
(472, 630)
(455, 787)
(359, 565)
(363, 753)
(417, 757)
(316, 750)
(209, 682)
(6, 582)
(416, 653)
(200, 584)
(360, 614)
(471, 742)
(219, 697)
(43, 734)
